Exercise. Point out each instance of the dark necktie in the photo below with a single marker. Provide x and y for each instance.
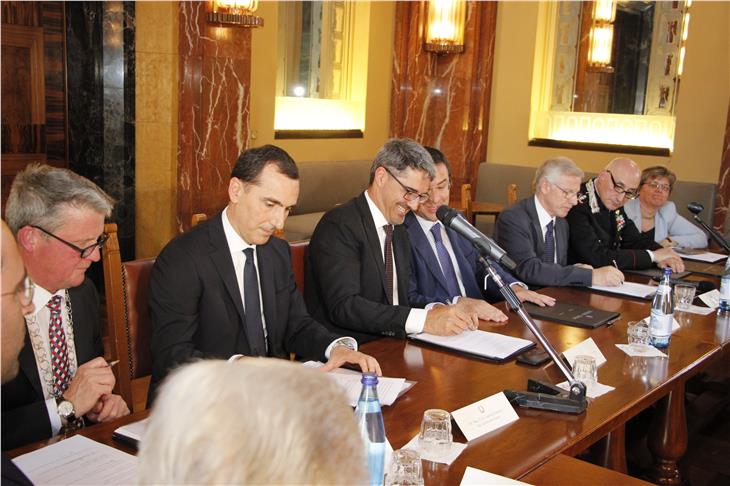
(549, 255)
(254, 325)
(59, 350)
(388, 252)
(447, 267)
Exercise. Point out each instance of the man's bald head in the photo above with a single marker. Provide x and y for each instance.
(12, 326)
(618, 182)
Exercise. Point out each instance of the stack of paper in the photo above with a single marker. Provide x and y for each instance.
(388, 388)
(78, 460)
(628, 288)
(488, 345)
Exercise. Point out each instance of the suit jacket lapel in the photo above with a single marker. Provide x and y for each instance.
(401, 255)
(468, 277)
(535, 223)
(220, 254)
(371, 235)
(561, 239)
(423, 248)
(264, 260)
(28, 366)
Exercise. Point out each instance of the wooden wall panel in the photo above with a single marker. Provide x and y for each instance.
(33, 87)
(215, 73)
(443, 100)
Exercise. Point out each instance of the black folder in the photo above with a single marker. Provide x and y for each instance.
(656, 273)
(572, 314)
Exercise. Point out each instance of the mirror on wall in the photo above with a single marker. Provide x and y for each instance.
(607, 75)
(315, 61)
(643, 49)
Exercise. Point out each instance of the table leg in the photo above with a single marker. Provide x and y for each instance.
(668, 436)
(612, 450)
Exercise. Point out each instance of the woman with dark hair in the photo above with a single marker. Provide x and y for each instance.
(654, 215)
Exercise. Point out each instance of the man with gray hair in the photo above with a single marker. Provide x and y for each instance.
(359, 255)
(58, 217)
(534, 231)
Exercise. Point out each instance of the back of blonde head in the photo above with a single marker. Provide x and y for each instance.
(252, 421)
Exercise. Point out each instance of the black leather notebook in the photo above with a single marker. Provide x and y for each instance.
(657, 273)
(572, 314)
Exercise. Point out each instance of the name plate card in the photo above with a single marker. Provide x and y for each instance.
(588, 348)
(484, 416)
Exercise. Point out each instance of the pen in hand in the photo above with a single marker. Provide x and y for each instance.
(112, 363)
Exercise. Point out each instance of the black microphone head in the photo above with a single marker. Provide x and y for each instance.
(445, 214)
(695, 207)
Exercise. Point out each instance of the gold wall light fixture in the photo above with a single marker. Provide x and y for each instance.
(234, 12)
(445, 26)
(600, 42)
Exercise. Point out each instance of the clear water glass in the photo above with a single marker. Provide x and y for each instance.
(585, 370)
(435, 436)
(638, 335)
(405, 469)
(683, 296)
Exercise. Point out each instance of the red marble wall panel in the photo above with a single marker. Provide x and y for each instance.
(443, 100)
(215, 74)
(723, 182)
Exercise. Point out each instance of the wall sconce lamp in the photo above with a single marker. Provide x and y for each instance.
(601, 35)
(234, 12)
(445, 26)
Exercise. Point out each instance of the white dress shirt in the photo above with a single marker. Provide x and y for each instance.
(236, 245)
(42, 316)
(416, 317)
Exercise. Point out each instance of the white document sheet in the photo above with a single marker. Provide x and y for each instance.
(78, 460)
(481, 343)
(135, 430)
(594, 390)
(388, 388)
(628, 288)
(642, 351)
(707, 256)
(477, 477)
(587, 348)
(711, 298)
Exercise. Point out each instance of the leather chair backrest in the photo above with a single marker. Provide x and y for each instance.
(136, 279)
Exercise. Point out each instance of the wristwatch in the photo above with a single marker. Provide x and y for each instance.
(66, 411)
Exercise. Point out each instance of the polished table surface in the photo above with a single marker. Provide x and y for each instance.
(449, 381)
(563, 469)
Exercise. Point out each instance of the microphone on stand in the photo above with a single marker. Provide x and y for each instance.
(696, 208)
(487, 247)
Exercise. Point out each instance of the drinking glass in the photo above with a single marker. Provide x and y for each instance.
(683, 296)
(638, 334)
(585, 370)
(435, 436)
(405, 469)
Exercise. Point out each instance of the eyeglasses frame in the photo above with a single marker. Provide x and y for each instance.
(619, 188)
(24, 290)
(411, 194)
(83, 252)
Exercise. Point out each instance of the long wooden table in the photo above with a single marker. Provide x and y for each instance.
(450, 381)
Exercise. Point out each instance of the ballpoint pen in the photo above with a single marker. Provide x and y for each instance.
(112, 363)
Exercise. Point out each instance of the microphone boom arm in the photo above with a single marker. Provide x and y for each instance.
(719, 239)
(575, 402)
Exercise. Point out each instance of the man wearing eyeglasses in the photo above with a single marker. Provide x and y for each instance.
(602, 234)
(58, 221)
(359, 255)
(445, 265)
(534, 231)
(17, 295)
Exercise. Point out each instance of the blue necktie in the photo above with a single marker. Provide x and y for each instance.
(447, 267)
(549, 255)
(254, 324)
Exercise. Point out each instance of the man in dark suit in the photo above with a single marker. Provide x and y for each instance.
(602, 234)
(359, 256)
(446, 266)
(17, 295)
(535, 233)
(227, 288)
(58, 220)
